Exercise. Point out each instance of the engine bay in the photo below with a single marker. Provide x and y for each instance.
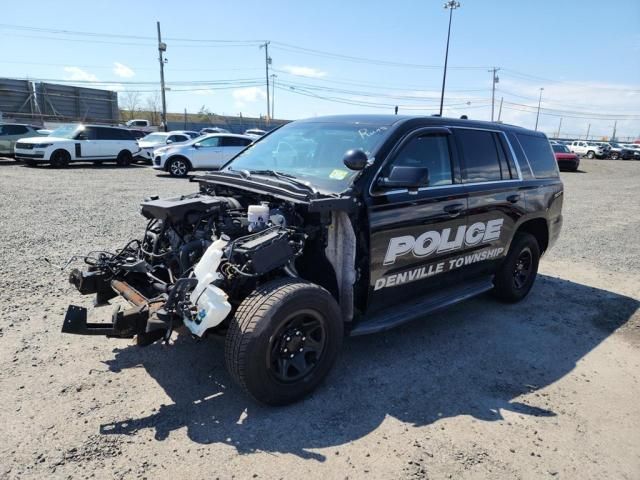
(198, 257)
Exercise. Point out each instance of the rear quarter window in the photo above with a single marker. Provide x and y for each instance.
(539, 155)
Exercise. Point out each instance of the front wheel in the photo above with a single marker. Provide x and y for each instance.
(517, 273)
(178, 167)
(615, 156)
(591, 155)
(283, 340)
(60, 159)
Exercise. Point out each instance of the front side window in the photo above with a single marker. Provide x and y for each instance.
(481, 158)
(209, 142)
(87, 133)
(430, 151)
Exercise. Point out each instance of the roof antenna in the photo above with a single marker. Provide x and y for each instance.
(464, 117)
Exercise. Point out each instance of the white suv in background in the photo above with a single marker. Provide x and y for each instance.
(206, 152)
(73, 143)
(587, 149)
(159, 139)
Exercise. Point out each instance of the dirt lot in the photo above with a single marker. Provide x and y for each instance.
(545, 389)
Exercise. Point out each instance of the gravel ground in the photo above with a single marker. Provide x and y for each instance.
(548, 388)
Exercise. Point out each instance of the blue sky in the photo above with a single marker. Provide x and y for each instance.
(585, 54)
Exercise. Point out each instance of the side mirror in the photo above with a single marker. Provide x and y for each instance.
(355, 159)
(197, 145)
(405, 177)
(169, 142)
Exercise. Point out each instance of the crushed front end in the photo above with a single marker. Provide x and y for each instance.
(198, 257)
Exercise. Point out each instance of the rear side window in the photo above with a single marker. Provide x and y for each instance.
(14, 129)
(234, 142)
(539, 155)
(484, 160)
(107, 133)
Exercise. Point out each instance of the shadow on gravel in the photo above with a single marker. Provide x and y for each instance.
(474, 359)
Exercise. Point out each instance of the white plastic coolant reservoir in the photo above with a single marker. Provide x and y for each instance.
(210, 301)
(258, 213)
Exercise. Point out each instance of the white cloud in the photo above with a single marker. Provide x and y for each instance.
(122, 70)
(304, 71)
(242, 96)
(76, 73)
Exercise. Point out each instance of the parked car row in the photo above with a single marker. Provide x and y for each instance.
(177, 152)
(601, 150)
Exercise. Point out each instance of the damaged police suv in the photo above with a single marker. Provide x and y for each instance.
(328, 227)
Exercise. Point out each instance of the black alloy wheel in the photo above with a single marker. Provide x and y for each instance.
(298, 346)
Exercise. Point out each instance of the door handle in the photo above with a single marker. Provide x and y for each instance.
(454, 209)
(513, 198)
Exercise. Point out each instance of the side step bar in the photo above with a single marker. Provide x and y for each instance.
(392, 317)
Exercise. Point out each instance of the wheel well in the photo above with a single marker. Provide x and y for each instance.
(539, 229)
(125, 151)
(170, 159)
(53, 154)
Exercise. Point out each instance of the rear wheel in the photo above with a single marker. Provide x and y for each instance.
(283, 340)
(615, 156)
(124, 158)
(591, 154)
(60, 159)
(179, 167)
(517, 273)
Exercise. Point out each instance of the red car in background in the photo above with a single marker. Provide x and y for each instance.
(566, 160)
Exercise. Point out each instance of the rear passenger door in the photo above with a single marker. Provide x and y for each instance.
(496, 199)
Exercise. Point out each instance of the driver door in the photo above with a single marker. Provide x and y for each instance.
(415, 233)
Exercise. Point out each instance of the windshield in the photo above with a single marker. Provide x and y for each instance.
(155, 138)
(312, 151)
(560, 149)
(67, 131)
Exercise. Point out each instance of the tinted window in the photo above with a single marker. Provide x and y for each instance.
(560, 149)
(209, 142)
(107, 133)
(15, 129)
(431, 151)
(481, 158)
(234, 142)
(87, 133)
(540, 157)
(177, 138)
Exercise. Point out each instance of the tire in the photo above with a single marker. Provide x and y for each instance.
(516, 275)
(60, 159)
(124, 158)
(615, 156)
(591, 155)
(178, 167)
(278, 318)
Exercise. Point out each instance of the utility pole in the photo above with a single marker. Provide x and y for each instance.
(185, 118)
(273, 94)
(267, 62)
(494, 80)
(500, 110)
(588, 130)
(615, 127)
(559, 128)
(451, 5)
(539, 102)
(162, 47)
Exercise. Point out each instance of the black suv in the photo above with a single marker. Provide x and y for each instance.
(333, 226)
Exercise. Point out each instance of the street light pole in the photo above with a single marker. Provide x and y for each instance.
(162, 47)
(451, 5)
(538, 114)
(267, 62)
